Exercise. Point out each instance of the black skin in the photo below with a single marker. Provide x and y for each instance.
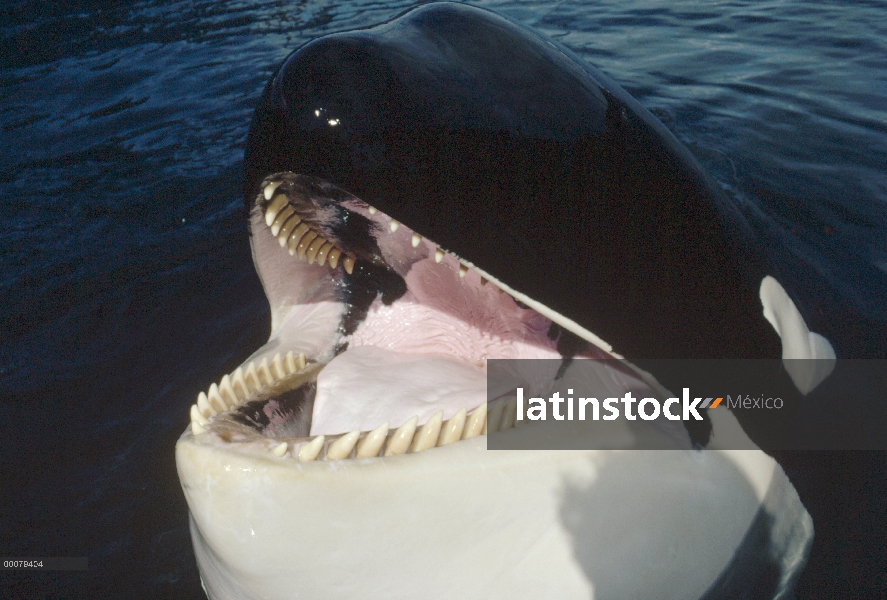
(502, 148)
(495, 144)
(507, 151)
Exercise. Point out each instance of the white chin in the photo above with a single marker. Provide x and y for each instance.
(462, 522)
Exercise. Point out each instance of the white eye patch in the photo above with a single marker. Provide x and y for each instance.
(798, 342)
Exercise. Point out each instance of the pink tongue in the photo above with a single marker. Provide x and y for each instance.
(367, 386)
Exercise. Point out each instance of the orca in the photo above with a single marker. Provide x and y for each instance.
(518, 157)
(529, 164)
(424, 195)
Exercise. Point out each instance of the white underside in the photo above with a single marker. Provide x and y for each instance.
(463, 522)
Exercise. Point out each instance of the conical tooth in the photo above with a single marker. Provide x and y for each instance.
(314, 248)
(348, 263)
(343, 446)
(285, 213)
(279, 450)
(462, 270)
(227, 392)
(438, 255)
(476, 422)
(323, 251)
(197, 428)
(393, 225)
(215, 399)
(269, 189)
(292, 241)
(301, 361)
(196, 415)
(239, 384)
(415, 239)
(509, 415)
(309, 451)
(452, 430)
(252, 377)
(291, 366)
(372, 209)
(271, 212)
(265, 372)
(277, 368)
(372, 443)
(494, 417)
(287, 228)
(302, 246)
(400, 441)
(333, 258)
(204, 406)
(427, 436)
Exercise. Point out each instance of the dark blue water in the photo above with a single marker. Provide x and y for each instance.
(126, 282)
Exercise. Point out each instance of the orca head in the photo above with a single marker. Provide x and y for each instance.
(512, 155)
(424, 195)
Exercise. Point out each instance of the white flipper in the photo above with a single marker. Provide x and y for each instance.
(797, 339)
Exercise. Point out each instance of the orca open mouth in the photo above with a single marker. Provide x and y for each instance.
(379, 338)
(357, 434)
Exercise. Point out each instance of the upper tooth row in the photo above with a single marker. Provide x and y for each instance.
(407, 438)
(236, 387)
(310, 245)
(298, 237)
(416, 239)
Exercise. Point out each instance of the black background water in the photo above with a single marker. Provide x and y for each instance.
(127, 284)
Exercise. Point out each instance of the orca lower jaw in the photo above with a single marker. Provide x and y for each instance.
(379, 337)
(355, 438)
(272, 410)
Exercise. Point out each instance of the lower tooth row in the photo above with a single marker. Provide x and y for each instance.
(236, 387)
(408, 437)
